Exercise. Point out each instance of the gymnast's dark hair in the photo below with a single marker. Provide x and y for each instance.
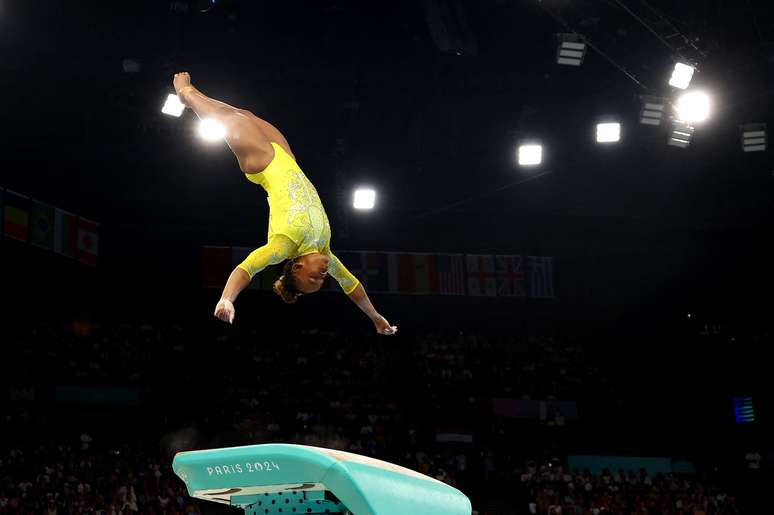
(286, 286)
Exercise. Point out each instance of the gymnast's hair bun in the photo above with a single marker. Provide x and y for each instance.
(282, 289)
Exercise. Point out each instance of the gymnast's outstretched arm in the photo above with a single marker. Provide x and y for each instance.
(357, 293)
(278, 249)
(244, 136)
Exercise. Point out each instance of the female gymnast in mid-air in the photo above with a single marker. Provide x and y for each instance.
(299, 231)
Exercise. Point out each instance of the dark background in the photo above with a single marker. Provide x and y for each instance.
(366, 97)
(642, 233)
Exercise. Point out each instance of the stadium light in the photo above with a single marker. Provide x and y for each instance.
(681, 75)
(173, 106)
(754, 137)
(693, 107)
(530, 154)
(608, 132)
(744, 410)
(364, 198)
(210, 130)
(653, 108)
(681, 134)
(571, 50)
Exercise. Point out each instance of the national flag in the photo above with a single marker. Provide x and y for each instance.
(374, 264)
(541, 277)
(426, 276)
(353, 262)
(16, 217)
(216, 266)
(88, 241)
(510, 276)
(481, 275)
(42, 225)
(374, 271)
(413, 273)
(65, 233)
(451, 274)
(370, 268)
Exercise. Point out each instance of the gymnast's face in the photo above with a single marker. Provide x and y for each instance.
(310, 272)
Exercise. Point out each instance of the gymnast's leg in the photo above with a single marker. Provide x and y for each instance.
(244, 134)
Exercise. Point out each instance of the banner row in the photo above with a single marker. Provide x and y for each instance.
(45, 226)
(477, 275)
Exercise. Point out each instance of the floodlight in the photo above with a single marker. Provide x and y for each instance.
(681, 134)
(211, 130)
(754, 137)
(572, 49)
(173, 106)
(693, 107)
(364, 198)
(608, 132)
(681, 75)
(652, 112)
(530, 154)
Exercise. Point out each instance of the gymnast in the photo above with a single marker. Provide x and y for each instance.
(299, 231)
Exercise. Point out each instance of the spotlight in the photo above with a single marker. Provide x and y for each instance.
(652, 112)
(530, 154)
(681, 134)
(173, 106)
(210, 130)
(681, 75)
(693, 107)
(608, 132)
(571, 51)
(364, 198)
(754, 137)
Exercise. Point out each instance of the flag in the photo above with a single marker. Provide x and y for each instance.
(541, 277)
(413, 273)
(376, 271)
(481, 275)
(370, 268)
(65, 233)
(426, 274)
(451, 274)
(510, 276)
(352, 261)
(16, 210)
(42, 225)
(88, 241)
(216, 266)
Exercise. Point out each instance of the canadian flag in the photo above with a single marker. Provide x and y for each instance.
(88, 241)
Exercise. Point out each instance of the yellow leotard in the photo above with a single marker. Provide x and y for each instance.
(298, 224)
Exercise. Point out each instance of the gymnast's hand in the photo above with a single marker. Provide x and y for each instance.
(180, 81)
(383, 326)
(225, 311)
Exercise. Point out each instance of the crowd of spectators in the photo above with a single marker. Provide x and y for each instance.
(63, 479)
(387, 398)
(552, 490)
